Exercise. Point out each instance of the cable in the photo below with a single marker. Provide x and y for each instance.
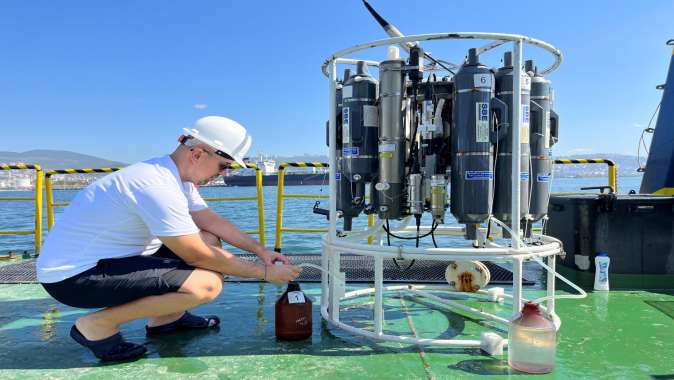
(642, 142)
(388, 235)
(388, 232)
(433, 238)
(418, 220)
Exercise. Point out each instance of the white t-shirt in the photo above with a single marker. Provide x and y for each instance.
(120, 215)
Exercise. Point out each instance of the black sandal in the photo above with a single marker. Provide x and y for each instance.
(111, 349)
(187, 322)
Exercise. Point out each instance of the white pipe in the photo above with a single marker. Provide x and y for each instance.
(517, 286)
(334, 296)
(516, 127)
(367, 249)
(460, 306)
(550, 304)
(370, 231)
(440, 256)
(332, 95)
(581, 292)
(400, 339)
(378, 295)
(332, 170)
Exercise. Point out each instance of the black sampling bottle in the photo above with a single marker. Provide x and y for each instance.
(293, 314)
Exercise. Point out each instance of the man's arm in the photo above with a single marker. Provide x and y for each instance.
(209, 220)
(192, 249)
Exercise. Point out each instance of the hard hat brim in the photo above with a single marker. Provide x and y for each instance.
(190, 132)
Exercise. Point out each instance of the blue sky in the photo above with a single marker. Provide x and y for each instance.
(119, 79)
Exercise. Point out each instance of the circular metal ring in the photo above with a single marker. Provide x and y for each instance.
(498, 39)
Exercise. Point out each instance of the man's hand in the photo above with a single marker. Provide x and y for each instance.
(270, 257)
(281, 274)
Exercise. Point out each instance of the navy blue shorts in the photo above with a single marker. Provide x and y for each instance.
(115, 282)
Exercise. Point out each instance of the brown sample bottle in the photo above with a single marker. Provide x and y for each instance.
(293, 314)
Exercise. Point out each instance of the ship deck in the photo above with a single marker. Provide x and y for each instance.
(621, 334)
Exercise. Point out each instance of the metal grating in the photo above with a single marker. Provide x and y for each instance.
(19, 273)
(357, 268)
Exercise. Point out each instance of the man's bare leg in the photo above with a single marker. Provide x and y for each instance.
(202, 286)
(209, 239)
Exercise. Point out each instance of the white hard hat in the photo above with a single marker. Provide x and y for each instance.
(224, 135)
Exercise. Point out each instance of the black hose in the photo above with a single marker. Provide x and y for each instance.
(433, 237)
(388, 232)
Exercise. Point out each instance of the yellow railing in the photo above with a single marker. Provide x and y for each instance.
(50, 191)
(280, 196)
(612, 168)
(37, 231)
(259, 197)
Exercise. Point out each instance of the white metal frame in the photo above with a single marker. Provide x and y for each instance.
(332, 285)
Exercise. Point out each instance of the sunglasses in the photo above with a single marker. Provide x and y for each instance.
(222, 166)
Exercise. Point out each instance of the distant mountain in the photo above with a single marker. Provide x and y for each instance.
(58, 159)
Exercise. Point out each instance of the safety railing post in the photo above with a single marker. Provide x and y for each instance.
(37, 198)
(259, 198)
(39, 177)
(260, 205)
(49, 188)
(279, 207)
(613, 177)
(612, 168)
(49, 193)
(280, 196)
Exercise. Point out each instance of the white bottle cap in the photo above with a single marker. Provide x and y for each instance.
(393, 53)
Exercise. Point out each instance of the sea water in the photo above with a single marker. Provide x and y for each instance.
(297, 212)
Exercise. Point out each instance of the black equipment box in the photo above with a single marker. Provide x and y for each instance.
(637, 231)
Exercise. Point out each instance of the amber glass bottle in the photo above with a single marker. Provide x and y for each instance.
(293, 314)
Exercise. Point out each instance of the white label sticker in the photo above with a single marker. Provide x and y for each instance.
(546, 123)
(370, 116)
(346, 131)
(481, 122)
(526, 82)
(296, 297)
(438, 182)
(428, 128)
(482, 80)
(347, 92)
(524, 129)
(387, 147)
(524, 135)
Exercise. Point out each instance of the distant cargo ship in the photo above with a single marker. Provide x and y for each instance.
(290, 179)
(270, 176)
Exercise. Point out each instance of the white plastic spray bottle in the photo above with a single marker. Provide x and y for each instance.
(601, 263)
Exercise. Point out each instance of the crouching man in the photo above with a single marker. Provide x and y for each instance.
(142, 243)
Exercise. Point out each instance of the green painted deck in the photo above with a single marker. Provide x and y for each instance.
(622, 334)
